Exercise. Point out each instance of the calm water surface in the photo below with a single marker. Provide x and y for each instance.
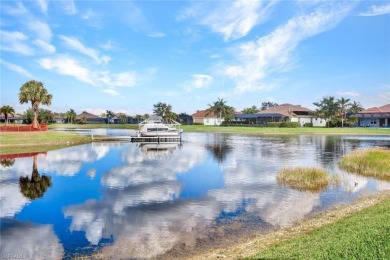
(138, 201)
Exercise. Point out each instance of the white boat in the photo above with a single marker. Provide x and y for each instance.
(156, 128)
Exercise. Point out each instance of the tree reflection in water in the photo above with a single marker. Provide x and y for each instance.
(7, 162)
(34, 187)
(220, 149)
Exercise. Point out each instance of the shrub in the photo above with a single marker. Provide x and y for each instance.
(274, 124)
(308, 125)
(290, 124)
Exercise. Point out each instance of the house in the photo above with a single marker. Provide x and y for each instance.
(17, 119)
(374, 117)
(204, 118)
(185, 119)
(282, 113)
(90, 118)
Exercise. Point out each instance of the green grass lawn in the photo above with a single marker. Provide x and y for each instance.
(17, 142)
(364, 235)
(247, 129)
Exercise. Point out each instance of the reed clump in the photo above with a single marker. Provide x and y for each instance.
(373, 162)
(305, 178)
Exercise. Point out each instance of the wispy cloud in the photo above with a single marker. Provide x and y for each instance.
(124, 79)
(15, 42)
(377, 10)
(199, 81)
(156, 35)
(40, 29)
(17, 69)
(348, 93)
(109, 45)
(47, 47)
(233, 20)
(76, 45)
(42, 5)
(273, 53)
(110, 91)
(66, 65)
(69, 7)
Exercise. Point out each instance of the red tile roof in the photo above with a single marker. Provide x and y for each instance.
(87, 115)
(382, 109)
(202, 114)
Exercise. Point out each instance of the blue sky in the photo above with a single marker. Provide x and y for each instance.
(126, 56)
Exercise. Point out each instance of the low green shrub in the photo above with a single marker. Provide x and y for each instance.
(274, 124)
(308, 125)
(290, 124)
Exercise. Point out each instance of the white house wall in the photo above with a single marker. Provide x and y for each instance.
(212, 121)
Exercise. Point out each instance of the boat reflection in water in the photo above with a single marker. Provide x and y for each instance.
(158, 149)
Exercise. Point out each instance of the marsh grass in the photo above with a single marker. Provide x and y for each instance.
(373, 162)
(305, 178)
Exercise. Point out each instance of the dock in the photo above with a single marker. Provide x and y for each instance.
(137, 139)
(105, 138)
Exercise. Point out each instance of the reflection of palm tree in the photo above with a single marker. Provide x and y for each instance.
(7, 162)
(220, 149)
(36, 186)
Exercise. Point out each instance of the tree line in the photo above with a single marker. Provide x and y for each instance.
(333, 110)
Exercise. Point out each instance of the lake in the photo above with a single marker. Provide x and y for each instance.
(136, 201)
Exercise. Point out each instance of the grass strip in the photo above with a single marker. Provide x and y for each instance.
(364, 235)
(373, 162)
(304, 178)
(12, 142)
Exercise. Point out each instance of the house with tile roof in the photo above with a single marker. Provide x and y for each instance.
(283, 113)
(91, 118)
(374, 117)
(204, 118)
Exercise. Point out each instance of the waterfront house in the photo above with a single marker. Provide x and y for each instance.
(204, 118)
(91, 118)
(282, 113)
(185, 119)
(374, 117)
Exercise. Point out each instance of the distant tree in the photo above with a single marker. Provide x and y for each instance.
(343, 104)
(71, 116)
(250, 110)
(123, 118)
(146, 116)
(7, 110)
(355, 107)
(163, 110)
(110, 115)
(34, 92)
(138, 118)
(45, 116)
(220, 109)
(267, 105)
(171, 116)
(327, 108)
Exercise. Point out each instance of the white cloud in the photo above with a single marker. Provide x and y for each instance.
(43, 5)
(156, 35)
(17, 69)
(199, 81)
(15, 42)
(89, 14)
(349, 93)
(377, 10)
(68, 66)
(75, 44)
(47, 47)
(124, 79)
(256, 60)
(69, 7)
(109, 45)
(40, 29)
(231, 20)
(110, 91)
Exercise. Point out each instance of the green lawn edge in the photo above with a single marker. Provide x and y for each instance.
(363, 235)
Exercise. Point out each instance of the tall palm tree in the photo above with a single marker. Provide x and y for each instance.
(355, 107)
(34, 92)
(220, 109)
(110, 115)
(7, 110)
(343, 105)
(327, 108)
(71, 116)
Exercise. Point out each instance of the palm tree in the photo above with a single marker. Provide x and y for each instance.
(355, 107)
(34, 92)
(110, 115)
(220, 108)
(7, 110)
(327, 108)
(71, 116)
(343, 104)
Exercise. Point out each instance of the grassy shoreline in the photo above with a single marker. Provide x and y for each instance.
(248, 130)
(273, 245)
(17, 142)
